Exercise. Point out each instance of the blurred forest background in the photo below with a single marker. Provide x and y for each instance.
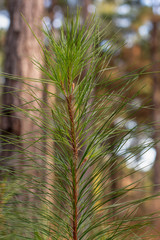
(135, 22)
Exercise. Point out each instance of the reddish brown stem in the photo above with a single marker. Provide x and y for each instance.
(75, 157)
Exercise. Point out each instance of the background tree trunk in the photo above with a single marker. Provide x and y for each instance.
(85, 4)
(156, 103)
(20, 46)
(156, 115)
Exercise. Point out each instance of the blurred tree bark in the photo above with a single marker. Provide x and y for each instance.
(156, 100)
(85, 4)
(20, 45)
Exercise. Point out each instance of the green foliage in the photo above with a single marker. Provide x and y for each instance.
(65, 171)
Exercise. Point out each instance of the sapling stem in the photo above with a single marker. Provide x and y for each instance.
(74, 144)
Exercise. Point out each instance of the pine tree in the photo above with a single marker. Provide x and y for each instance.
(71, 206)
